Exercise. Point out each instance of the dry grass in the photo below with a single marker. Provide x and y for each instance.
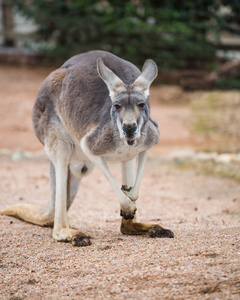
(216, 119)
(222, 170)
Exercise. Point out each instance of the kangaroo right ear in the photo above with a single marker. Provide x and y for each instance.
(114, 83)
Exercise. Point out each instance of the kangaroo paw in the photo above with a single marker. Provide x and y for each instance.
(158, 231)
(81, 240)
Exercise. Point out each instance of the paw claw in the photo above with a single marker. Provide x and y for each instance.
(81, 241)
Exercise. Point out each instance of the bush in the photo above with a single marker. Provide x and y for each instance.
(170, 32)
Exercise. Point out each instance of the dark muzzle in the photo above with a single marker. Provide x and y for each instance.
(129, 130)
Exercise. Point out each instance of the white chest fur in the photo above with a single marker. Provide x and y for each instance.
(125, 152)
(122, 153)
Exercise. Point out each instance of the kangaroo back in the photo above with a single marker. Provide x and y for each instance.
(76, 94)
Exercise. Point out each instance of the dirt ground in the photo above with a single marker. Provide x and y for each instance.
(201, 262)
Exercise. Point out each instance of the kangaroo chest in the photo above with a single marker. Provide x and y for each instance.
(124, 152)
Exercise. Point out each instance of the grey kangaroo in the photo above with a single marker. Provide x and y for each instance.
(93, 109)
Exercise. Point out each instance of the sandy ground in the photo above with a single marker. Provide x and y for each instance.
(201, 262)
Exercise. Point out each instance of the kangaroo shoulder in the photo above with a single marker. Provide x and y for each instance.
(56, 78)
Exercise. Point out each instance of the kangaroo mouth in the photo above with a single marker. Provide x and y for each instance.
(131, 142)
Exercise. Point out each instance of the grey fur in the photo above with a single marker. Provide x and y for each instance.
(80, 100)
(74, 99)
(80, 126)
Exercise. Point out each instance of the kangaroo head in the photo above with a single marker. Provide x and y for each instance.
(130, 106)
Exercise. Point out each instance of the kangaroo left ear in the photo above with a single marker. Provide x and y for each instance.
(113, 82)
(143, 82)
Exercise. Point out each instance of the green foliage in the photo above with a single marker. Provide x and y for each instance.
(228, 84)
(171, 32)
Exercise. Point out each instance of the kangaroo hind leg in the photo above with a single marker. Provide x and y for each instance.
(66, 189)
(76, 172)
(131, 226)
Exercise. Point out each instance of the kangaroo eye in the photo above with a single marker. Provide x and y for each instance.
(117, 106)
(141, 105)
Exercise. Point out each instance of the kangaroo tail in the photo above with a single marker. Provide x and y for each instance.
(30, 213)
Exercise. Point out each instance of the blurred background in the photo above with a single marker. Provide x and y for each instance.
(196, 45)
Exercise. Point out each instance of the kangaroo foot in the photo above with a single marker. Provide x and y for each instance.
(153, 230)
(80, 240)
(76, 238)
(158, 231)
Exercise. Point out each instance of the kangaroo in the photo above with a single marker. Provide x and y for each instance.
(93, 109)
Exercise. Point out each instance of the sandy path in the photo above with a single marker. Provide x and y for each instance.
(202, 261)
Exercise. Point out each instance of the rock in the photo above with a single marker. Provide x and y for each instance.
(237, 158)
(225, 158)
(206, 156)
(182, 155)
(28, 154)
(16, 156)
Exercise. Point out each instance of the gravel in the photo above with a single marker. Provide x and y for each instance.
(201, 262)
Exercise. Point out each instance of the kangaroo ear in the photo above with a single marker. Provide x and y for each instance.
(113, 82)
(143, 82)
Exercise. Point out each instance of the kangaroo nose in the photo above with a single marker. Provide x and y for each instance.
(130, 128)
